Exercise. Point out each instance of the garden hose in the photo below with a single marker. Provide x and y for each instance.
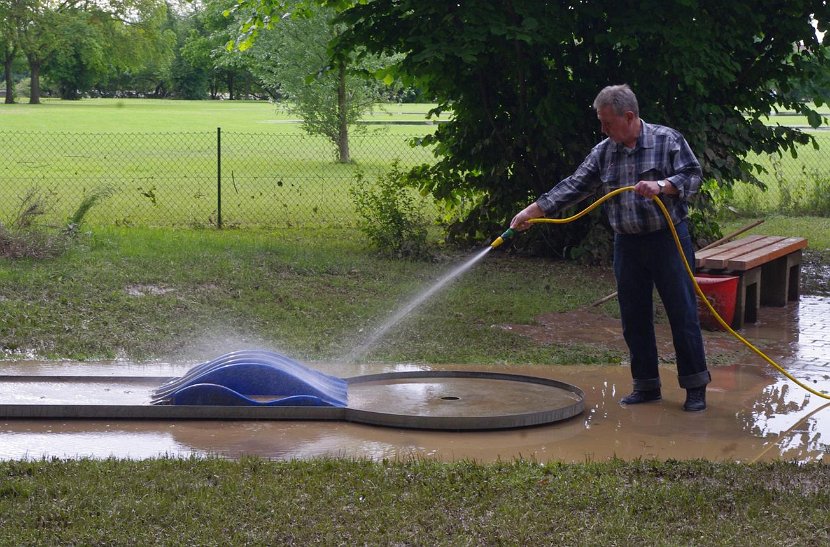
(509, 233)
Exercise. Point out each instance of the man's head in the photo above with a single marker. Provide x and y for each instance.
(619, 114)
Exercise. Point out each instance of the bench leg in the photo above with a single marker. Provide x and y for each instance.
(748, 299)
(781, 280)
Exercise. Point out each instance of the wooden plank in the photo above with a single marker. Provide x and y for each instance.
(720, 260)
(705, 253)
(767, 254)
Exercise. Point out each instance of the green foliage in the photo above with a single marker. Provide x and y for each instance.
(390, 215)
(519, 80)
(89, 201)
(596, 248)
(80, 57)
(706, 207)
(329, 91)
(24, 237)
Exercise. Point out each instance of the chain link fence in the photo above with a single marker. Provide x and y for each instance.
(195, 179)
(275, 180)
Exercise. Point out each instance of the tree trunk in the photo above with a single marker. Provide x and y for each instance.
(342, 121)
(229, 81)
(34, 72)
(7, 72)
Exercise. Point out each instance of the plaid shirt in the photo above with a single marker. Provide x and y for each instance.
(660, 153)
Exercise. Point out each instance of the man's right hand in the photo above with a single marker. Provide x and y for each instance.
(520, 221)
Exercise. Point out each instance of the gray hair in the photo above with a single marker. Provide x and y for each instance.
(620, 98)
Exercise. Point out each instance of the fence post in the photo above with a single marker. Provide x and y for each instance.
(219, 178)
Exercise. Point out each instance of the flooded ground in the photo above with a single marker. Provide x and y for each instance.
(754, 413)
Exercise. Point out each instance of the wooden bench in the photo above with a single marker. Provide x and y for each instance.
(769, 268)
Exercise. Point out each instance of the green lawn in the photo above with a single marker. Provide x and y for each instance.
(339, 502)
(162, 161)
(160, 158)
(162, 115)
(315, 294)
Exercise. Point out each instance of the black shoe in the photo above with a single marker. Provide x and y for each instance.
(637, 396)
(695, 399)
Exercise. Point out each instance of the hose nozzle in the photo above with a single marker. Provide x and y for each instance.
(510, 232)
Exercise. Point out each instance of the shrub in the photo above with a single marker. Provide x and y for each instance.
(23, 237)
(390, 215)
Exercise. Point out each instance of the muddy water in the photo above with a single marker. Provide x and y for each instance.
(754, 414)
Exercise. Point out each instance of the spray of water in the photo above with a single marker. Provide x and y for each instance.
(359, 352)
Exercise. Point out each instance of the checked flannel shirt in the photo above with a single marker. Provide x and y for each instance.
(660, 153)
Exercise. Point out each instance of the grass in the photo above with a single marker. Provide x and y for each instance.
(145, 292)
(252, 501)
(164, 116)
(815, 229)
(160, 159)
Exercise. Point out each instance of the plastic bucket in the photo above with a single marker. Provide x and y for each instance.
(721, 291)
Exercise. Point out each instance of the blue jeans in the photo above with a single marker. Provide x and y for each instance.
(641, 263)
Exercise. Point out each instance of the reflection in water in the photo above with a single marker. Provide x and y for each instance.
(790, 419)
(55, 442)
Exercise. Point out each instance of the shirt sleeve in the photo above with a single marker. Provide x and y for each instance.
(570, 191)
(687, 172)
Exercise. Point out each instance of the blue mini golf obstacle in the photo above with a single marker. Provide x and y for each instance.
(253, 378)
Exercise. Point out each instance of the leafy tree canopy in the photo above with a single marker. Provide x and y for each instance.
(519, 77)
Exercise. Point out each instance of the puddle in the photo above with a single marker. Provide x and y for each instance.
(754, 414)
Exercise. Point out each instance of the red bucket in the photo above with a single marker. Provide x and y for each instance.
(721, 291)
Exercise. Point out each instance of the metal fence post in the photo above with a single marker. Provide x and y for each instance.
(219, 177)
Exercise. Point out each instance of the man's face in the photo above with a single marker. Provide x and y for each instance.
(620, 129)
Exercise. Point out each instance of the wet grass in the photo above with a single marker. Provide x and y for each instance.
(145, 293)
(253, 501)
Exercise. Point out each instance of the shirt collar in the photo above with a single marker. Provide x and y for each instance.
(646, 138)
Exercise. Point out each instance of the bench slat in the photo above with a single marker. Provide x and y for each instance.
(719, 261)
(767, 254)
(712, 251)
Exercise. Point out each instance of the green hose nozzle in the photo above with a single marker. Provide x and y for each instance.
(510, 232)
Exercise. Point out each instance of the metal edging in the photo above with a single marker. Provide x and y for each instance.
(304, 413)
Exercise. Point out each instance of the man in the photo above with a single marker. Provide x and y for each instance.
(655, 160)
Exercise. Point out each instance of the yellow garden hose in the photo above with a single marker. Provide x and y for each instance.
(689, 270)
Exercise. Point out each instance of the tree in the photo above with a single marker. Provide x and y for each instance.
(78, 57)
(33, 22)
(329, 91)
(205, 47)
(83, 42)
(8, 45)
(519, 77)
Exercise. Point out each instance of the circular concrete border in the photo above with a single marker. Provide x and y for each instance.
(532, 417)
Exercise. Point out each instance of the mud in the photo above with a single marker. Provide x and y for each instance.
(754, 413)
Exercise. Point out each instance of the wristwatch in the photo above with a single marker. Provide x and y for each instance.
(661, 184)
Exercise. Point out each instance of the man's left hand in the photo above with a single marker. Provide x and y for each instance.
(647, 188)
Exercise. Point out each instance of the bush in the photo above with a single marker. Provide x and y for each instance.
(391, 215)
(23, 237)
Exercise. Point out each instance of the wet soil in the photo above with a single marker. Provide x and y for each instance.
(754, 413)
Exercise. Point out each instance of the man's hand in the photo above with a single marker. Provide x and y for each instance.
(520, 221)
(648, 188)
